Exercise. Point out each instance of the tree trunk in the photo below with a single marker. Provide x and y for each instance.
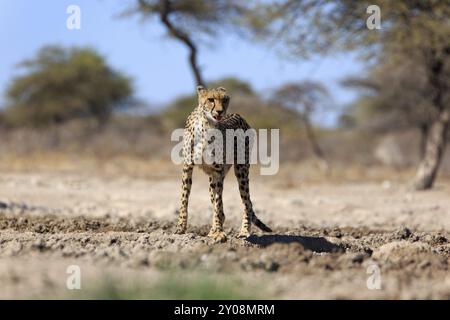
(424, 130)
(183, 37)
(438, 129)
(434, 151)
(317, 151)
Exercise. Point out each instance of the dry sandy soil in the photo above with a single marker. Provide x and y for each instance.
(330, 240)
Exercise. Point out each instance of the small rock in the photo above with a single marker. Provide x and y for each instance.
(438, 239)
(403, 233)
(359, 258)
(428, 238)
(400, 249)
(67, 252)
(144, 240)
(271, 266)
(140, 260)
(336, 233)
(114, 239)
(39, 244)
(424, 264)
(39, 228)
(3, 205)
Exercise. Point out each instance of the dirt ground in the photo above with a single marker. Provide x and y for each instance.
(337, 239)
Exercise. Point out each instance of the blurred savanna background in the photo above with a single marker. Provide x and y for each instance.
(91, 92)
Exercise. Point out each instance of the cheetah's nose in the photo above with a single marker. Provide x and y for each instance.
(219, 115)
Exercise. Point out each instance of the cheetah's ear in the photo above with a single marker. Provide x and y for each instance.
(200, 89)
(222, 89)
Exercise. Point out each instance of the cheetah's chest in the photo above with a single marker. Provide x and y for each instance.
(207, 144)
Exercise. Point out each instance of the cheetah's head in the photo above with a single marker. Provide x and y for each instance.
(214, 102)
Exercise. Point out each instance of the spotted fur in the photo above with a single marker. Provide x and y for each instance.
(211, 113)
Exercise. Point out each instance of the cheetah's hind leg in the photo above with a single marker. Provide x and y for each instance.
(185, 192)
(242, 171)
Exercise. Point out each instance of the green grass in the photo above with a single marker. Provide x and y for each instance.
(170, 286)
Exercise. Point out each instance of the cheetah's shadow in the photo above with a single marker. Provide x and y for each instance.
(316, 244)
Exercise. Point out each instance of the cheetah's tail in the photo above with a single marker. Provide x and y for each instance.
(260, 224)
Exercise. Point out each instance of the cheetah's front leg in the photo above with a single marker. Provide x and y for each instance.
(185, 192)
(215, 191)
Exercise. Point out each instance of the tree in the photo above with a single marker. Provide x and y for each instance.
(305, 98)
(61, 84)
(395, 96)
(234, 86)
(411, 29)
(189, 20)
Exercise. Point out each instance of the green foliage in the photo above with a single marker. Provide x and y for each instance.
(174, 116)
(176, 113)
(360, 112)
(258, 112)
(234, 86)
(396, 94)
(303, 97)
(60, 84)
(309, 26)
(2, 118)
(408, 85)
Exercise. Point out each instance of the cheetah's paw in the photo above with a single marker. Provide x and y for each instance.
(180, 229)
(218, 236)
(244, 234)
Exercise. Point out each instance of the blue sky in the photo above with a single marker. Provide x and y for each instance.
(157, 64)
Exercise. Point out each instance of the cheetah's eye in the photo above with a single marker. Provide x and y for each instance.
(211, 99)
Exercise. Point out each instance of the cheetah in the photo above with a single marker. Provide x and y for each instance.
(211, 114)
